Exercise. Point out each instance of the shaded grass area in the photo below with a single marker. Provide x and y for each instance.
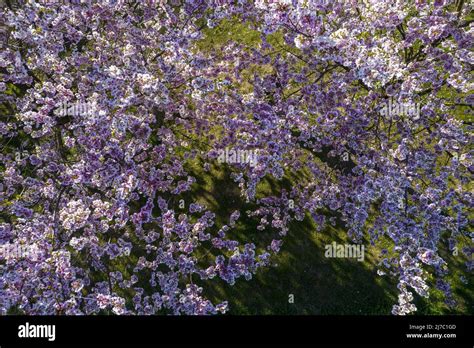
(318, 285)
(301, 280)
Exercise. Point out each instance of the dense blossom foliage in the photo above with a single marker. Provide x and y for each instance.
(95, 193)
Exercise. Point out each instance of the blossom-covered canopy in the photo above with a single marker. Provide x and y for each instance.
(368, 101)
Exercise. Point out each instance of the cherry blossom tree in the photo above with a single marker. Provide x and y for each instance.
(367, 100)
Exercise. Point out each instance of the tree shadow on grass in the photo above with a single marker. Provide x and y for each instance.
(300, 272)
(318, 285)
